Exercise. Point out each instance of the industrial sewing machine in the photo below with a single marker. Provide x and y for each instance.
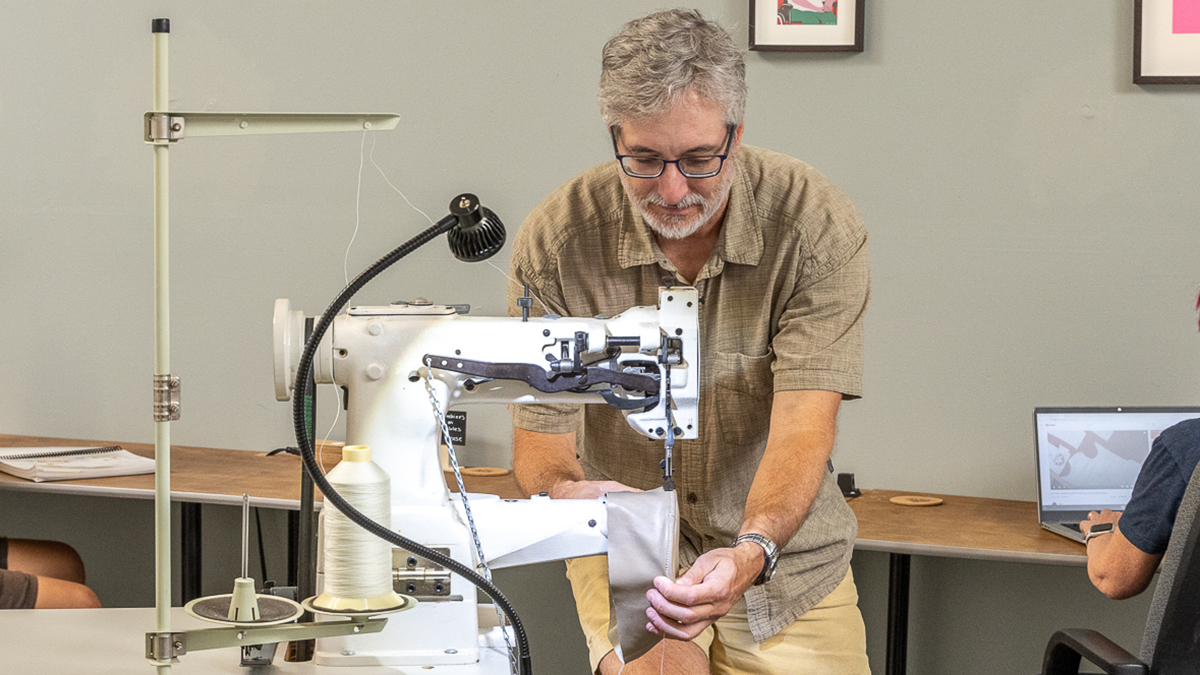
(402, 366)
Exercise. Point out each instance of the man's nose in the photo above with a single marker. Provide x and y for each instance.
(672, 185)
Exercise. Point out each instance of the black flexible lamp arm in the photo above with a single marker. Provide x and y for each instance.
(476, 233)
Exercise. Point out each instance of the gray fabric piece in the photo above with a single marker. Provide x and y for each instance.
(1184, 518)
(643, 543)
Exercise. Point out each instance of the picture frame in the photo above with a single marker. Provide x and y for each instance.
(799, 26)
(1166, 42)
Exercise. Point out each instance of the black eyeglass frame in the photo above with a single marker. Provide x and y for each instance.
(678, 167)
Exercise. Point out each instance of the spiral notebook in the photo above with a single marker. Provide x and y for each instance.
(42, 464)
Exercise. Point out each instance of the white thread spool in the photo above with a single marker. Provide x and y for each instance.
(357, 564)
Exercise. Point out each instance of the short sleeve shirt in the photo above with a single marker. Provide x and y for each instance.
(782, 299)
(1150, 515)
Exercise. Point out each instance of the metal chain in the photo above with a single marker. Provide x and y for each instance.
(462, 492)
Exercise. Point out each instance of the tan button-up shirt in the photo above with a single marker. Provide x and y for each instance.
(782, 301)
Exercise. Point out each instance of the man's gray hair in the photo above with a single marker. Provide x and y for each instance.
(649, 66)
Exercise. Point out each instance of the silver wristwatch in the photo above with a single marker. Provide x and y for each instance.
(770, 554)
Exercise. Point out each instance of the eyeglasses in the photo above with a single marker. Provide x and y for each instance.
(697, 166)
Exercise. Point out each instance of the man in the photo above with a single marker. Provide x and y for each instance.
(36, 574)
(1122, 560)
(779, 258)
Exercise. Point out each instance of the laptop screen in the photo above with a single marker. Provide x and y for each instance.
(1089, 458)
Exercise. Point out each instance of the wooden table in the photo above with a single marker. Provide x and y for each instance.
(216, 476)
(959, 527)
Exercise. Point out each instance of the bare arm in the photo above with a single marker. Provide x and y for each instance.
(547, 463)
(1116, 567)
(784, 488)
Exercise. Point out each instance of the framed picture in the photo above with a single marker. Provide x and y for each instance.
(1166, 42)
(806, 25)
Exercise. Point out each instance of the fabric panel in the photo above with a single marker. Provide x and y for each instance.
(643, 543)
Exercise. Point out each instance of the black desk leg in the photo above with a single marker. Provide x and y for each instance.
(897, 629)
(189, 549)
(293, 546)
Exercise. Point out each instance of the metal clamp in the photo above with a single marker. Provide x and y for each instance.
(164, 128)
(419, 577)
(165, 646)
(166, 398)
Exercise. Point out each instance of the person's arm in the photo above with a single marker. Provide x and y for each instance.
(547, 463)
(1116, 567)
(785, 486)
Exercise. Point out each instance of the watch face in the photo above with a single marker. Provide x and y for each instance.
(1101, 527)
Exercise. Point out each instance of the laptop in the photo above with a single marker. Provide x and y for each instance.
(1088, 459)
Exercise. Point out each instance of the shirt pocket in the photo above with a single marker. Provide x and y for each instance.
(742, 396)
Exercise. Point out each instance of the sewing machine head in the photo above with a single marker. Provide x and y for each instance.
(390, 359)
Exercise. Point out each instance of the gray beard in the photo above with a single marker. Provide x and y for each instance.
(680, 228)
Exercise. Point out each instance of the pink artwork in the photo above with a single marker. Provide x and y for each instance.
(1186, 16)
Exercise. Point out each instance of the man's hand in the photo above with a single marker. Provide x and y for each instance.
(587, 489)
(682, 609)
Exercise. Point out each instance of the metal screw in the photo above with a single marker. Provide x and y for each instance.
(546, 333)
(679, 331)
(178, 645)
(244, 124)
(412, 562)
(591, 523)
(366, 125)
(241, 635)
(659, 431)
(347, 652)
(357, 629)
(176, 127)
(451, 651)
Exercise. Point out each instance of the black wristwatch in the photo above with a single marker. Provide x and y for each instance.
(1097, 530)
(770, 554)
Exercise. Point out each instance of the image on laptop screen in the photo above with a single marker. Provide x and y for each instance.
(1089, 458)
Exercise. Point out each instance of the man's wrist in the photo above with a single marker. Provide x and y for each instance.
(769, 554)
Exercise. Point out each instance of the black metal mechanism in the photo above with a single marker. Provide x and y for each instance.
(578, 380)
(484, 227)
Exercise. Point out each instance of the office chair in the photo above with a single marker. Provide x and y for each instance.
(1171, 643)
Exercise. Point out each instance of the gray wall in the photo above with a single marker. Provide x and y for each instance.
(1032, 219)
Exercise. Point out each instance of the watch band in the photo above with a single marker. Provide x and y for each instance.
(770, 554)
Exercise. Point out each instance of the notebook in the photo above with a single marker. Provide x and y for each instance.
(1088, 459)
(41, 464)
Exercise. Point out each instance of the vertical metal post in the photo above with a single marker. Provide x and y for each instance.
(897, 635)
(161, 29)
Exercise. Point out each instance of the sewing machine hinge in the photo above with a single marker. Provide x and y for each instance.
(164, 128)
(165, 646)
(421, 578)
(166, 398)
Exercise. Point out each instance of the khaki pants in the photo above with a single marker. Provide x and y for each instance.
(828, 640)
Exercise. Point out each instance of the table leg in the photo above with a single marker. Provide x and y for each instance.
(189, 559)
(897, 628)
(293, 546)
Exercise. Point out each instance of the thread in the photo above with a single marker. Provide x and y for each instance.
(357, 213)
(357, 564)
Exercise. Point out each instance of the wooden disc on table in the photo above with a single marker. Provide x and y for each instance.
(485, 472)
(915, 500)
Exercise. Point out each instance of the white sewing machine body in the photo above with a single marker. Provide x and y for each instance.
(383, 355)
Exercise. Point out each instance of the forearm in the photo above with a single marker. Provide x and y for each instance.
(543, 462)
(793, 465)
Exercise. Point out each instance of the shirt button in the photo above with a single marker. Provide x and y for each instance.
(691, 498)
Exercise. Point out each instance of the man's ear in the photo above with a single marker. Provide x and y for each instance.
(737, 135)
